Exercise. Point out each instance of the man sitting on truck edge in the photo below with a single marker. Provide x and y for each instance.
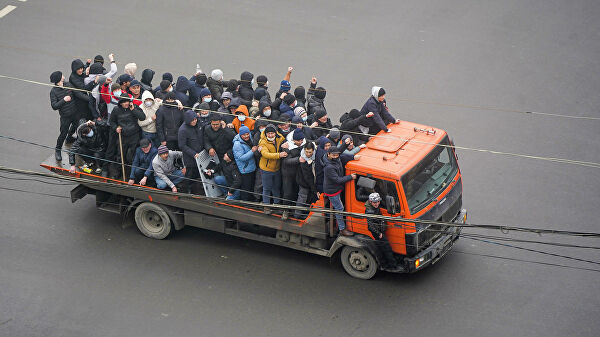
(165, 172)
(333, 185)
(377, 227)
(141, 168)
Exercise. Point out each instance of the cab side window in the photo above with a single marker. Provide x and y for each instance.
(365, 186)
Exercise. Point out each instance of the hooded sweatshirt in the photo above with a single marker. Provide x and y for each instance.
(147, 76)
(249, 122)
(181, 88)
(381, 116)
(148, 124)
(190, 139)
(245, 90)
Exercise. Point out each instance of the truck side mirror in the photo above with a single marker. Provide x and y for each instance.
(390, 204)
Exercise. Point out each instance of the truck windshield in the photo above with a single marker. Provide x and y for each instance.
(428, 178)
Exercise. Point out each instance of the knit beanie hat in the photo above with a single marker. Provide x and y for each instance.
(164, 84)
(334, 133)
(320, 114)
(96, 68)
(56, 76)
(204, 92)
(99, 59)
(134, 83)
(168, 77)
(381, 92)
(170, 96)
(299, 111)
(216, 74)
(163, 149)
(270, 128)
(244, 130)
(298, 134)
(285, 86)
(124, 78)
(299, 92)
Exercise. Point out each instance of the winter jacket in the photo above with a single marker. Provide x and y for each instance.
(249, 122)
(110, 74)
(286, 109)
(143, 161)
(127, 119)
(350, 122)
(195, 89)
(215, 87)
(181, 88)
(245, 90)
(313, 103)
(262, 104)
(221, 140)
(375, 226)
(290, 165)
(334, 177)
(269, 160)
(190, 139)
(77, 81)
(168, 120)
(57, 102)
(322, 129)
(147, 76)
(305, 176)
(244, 157)
(149, 124)
(162, 168)
(381, 117)
(320, 153)
(92, 144)
(231, 173)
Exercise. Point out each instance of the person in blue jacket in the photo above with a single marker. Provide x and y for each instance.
(243, 152)
(141, 169)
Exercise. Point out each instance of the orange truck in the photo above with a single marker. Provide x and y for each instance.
(414, 168)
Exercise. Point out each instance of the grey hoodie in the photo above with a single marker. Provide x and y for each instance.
(162, 168)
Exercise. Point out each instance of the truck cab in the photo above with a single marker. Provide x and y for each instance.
(414, 168)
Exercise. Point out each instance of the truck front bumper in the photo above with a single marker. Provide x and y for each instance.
(438, 248)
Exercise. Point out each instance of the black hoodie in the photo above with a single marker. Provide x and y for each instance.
(245, 89)
(147, 76)
(81, 97)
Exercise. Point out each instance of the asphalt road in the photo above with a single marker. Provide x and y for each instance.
(70, 270)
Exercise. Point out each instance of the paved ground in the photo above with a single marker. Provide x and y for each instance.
(69, 270)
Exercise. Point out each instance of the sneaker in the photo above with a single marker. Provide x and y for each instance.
(98, 170)
(268, 211)
(285, 215)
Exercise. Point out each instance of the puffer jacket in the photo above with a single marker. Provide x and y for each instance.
(221, 140)
(57, 95)
(313, 103)
(375, 226)
(381, 117)
(269, 160)
(93, 144)
(148, 124)
(127, 119)
(190, 139)
(249, 122)
(244, 157)
(168, 120)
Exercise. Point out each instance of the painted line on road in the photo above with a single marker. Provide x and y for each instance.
(6, 10)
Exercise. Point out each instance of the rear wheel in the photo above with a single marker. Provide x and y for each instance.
(152, 221)
(358, 262)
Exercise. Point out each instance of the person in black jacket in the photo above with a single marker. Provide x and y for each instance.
(82, 98)
(147, 76)
(245, 89)
(89, 145)
(198, 82)
(316, 98)
(375, 107)
(61, 99)
(289, 168)
(168, 120)
(181, 88)
(321, 123)
(229, 179)
(377, 228)
(305, 178)
(124, 120)
(353, 122)
(218, 139)
(334, 180)
(191, 143)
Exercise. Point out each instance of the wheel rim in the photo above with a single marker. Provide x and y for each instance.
(152, 221)
(359, 261)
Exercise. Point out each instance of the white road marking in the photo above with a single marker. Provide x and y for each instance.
(6, 10)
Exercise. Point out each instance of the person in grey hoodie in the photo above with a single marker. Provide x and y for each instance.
(165, 172)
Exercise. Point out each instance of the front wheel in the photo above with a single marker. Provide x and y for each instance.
(152, 221)
(358, 262)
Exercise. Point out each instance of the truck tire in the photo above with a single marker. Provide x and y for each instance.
(152, 221)
(358, 262)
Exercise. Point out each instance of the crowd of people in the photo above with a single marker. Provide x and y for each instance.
(281, 150)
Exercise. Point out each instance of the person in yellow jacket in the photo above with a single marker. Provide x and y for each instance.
(271, 145)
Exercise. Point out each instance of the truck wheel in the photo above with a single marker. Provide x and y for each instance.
(152, 221)
(358, 262)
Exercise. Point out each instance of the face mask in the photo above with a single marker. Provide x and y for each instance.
(261, 130)
(241, 118)
(305, 118)
(170, 89)
(91, 134)
(117, 93)
(148, 103)
(207, 99)
(267, 84)
(252, 82)
(204, 115)
(267, 113)
(271, 139)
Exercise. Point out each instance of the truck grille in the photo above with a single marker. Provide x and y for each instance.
(433, 232)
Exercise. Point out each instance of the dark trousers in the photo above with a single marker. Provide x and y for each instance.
(386, 250)
(290, 190)
(173, 145)
(192, 181)
(248, 186)
(89, 156)
(68, 126)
